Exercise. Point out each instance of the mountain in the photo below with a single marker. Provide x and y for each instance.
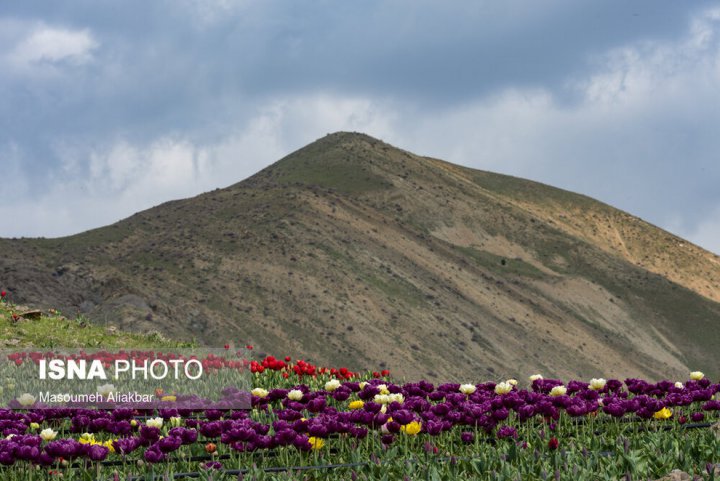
(351, 251)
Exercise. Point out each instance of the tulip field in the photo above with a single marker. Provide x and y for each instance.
(307, 422)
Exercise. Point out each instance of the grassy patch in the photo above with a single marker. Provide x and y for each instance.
(346, 168)
(342, 176)
(393, 287)
(57, 331)
(111, 234)
(502, 265)
(535, 192)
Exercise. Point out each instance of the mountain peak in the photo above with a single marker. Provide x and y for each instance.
(349, 162)
(345, 136)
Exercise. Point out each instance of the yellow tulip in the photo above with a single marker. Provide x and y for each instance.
(664, 413)
(316, 443)
(356, 405)
(412, 428)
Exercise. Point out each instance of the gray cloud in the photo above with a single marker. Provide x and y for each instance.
(614, 99)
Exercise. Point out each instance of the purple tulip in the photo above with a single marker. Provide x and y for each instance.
(6, 458)
(341, 395)
(149, 434)
(403, 416)
(97, 452)
(393, 427)
(436, 396)
(126, 445)
(317, 430)
(153, 455)
(358, 432)
(500, 414)
(285, 437)
(302, 443)
(169, 444)
(697, 417)
(211, 429)
(433, 428)
(506, 432)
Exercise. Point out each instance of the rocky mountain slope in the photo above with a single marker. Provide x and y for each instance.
(351, 251)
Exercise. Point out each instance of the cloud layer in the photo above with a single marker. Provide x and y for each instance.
(104, 112)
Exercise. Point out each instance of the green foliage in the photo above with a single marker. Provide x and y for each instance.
(52, 330)
(343, 169)
(501, 265)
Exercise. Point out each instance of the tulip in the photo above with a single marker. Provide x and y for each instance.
(332, 385)
(358, 432)
(663, 413)
(558, 391)
(597, 384)
(259, 392)
(412, 428)
(503, 388)
(26, 399)
(169, 444)
(154, 422)
(105, 390)
(210, 448)
(507, 432)
(467, 389)
(295, 395)
(48, 434)
(154, 455)
(97, 452)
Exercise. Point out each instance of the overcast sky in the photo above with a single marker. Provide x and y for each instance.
(111, 107)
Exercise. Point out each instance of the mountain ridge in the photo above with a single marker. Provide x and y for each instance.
(350, 248)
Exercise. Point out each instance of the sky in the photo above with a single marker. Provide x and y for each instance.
(111, 107)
